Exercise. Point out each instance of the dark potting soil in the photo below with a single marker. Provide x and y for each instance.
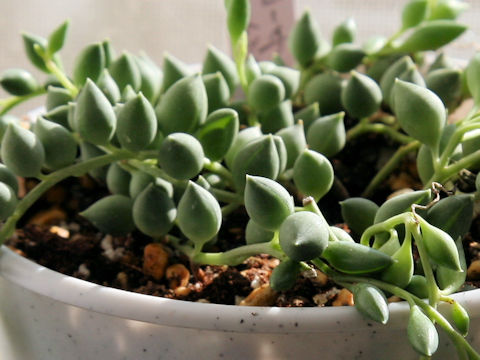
(52, 235)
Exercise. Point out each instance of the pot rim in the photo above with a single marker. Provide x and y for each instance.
(177, 313)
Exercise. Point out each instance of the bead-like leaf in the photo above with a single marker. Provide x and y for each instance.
(118, 180)
(449, 280)
(173, 70)
(414, 13)
(472, 75)
(419, 112)
(361, 97)
(18, 82)
(313, 174)
(358, 213)
(22, 151)
(326, 89)
(89, 64)
(418, 286)
(431, 35)
(9, 178)
(340, 234)
(238, 17)
(303, 236)
(136, 124)
(371, 302)
(460, 318)
(218, 94)
(215, 61)
(57, 96)
(109, 87)
(345, 32)
(243, 138)
(266, 92)
(421, 332)
(289, 77)
(267, 202)
(218, 133)
(294, 139)
(447, 84)
(181, 156)
(57, 38)
(154, 211)
(59, 144)
(327, 134)
(440, 246)
(401, 271)
(259, 157)
(111, 214)
(30, 42)
(124, 71)
(308, 115)
(391, 73)
(151, 78)
(183, 107)
(277, 118)
(59, 115)
(89, 151)
(94, 117)
(255, 234)
(448, 9)
(285, 275)
(8, 201)
(199, 216)
(345, 57)
(354, 258)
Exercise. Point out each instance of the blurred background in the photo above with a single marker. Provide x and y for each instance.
(185, 27)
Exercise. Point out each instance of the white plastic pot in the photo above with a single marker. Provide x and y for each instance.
(50, 316)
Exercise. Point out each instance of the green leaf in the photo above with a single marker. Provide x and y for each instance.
(305, 41)
(313, 174)
(154, 211)
(218, 94)
(111, 215)
(442, 61)
(401, 271)
(440, 247)
(258, 157)
(94, 118)
(387, 80)
(371, 302)
(57, 96)
(473, 74)
(198, 216)
(124, 71)
(139, 181)
(109, 87)
(267, 203)
(425, 164)
(447, 84)
(289, 77)
(294, 139)
(265, 92)
(255, 234)
(450, 280)
(362, 96)
(326, 89)
(460, 318)
(345, 57)
(18, 82)
(418, 286)
(5, 120)
(381, 65)
(238, 17)
(276, 118)
(109, 52)
(354, 258)
(303, 236)
(431, 35)
(8, 201)
(358, 213)
(252, 69)
(282, 154)
(181, 156)
(128, 94)
(244, 137)
(421, 332)
(173, 70)
(57, 38)
(59, 144)
(184, 106)
(308, 115)
(218, 133)
(29, 43)
(340, 234)
(90, 151)
(419, 112)
(118, 180)
(59, 115)
(345, 32)
(373, 45)
(136, 124)
(151, 78)
(22, 152)
(217, 61)
(327, 134)
(89, 64)
(414, 13)
(9, 178)
(285, 275)
(448, 9)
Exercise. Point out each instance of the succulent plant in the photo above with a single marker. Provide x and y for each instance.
(178, 155)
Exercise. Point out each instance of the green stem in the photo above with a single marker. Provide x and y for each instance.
(379, 128)
(384, 226)
(444, 174)
(391, 165)
(60, 75)
(217, 168)
(228, 209)
(7, 104)
(226, 196)
(52, 179)
(240, 51)
(309, 204)
(153, 170)
(238, 255)
(453, 142)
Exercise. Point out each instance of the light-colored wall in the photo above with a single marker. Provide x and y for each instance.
(183, 27)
